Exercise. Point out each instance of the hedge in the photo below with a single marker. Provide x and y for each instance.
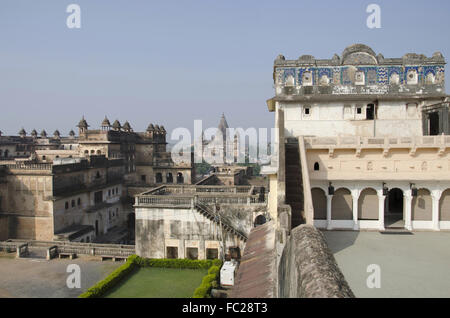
(111, 280)
(209, 281)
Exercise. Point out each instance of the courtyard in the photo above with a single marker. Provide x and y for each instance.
(411, 265)
(159, 283)
(40, 278)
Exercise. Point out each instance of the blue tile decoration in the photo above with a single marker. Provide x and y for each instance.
(375, 75)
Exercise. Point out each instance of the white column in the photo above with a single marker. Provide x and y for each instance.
(329, 198)
(435, 195)
(355, 198)
(407, 201)
(381, 202)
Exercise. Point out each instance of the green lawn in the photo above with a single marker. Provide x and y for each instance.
(153, 282)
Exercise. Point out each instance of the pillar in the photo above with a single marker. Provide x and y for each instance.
(407, 202)
(381, 204)
(355, 197)
(329, 198)
(435, 196)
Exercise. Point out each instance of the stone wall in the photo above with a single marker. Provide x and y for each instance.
(307, 269)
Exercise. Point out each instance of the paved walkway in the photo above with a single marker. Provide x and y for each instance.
(415, 265)
(41, 278)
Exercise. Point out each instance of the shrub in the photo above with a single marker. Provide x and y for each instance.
(214, 269)
(209, 281)
(111, 280)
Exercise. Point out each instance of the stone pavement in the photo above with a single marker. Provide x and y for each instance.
(416, 265)
(40, 278)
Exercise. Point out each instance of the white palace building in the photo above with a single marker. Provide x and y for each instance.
(366, 141)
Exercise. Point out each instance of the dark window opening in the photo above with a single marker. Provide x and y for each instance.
(316, 166)
(169, 178)
(434, 124)
(79, 201)
(358, 110)
(212, 253)
(98, 197)
(158, 177)
(192, 253)
(67, 205)
(370, 112)
(306, 110)
(73, 203)
(143, 177)
(172, 252)
(180, 178)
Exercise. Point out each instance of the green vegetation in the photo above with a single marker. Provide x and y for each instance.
(148, 282)
(158, 278)
(202, 168)
(209, 281)
(111, 280)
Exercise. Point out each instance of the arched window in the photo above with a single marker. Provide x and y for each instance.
(99, 152)
(86, 152)
(97, 175)
(67, 205)
(360, 78)
(316, 166)
(429, 79)
(169, 178)
(307, 79)
(158, 177)
(79, 201)
(411, 77)
(6, 153)
(180, 178)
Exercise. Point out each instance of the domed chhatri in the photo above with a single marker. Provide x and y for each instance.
(116, 125)
(83, 123)
(43, 133)
(105, 122)
(127, 127)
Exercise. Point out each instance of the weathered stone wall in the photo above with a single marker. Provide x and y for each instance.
(159, 228)
(307, 269)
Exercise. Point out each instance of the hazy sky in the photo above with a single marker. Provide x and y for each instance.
(170, 62)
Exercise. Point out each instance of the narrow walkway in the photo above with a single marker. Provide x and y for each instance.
(256, 276)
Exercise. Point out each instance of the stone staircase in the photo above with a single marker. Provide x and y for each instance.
(223, 221)
(294, 183)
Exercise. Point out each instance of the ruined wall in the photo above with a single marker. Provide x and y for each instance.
(307, 269)
(159, 228)
(27, 205)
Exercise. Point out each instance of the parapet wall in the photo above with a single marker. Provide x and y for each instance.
(307, 269)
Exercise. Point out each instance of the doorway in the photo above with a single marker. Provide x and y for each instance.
(393, 212)
(434, 124)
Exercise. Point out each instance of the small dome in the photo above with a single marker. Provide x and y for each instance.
(105, 122)
(83, 123)
(157, 127)
(71, 133)
(43, 133)
(116, 125)
(56, 133)
(127, 126)
(163, 129)
(34, 133)
(150, 127)
(22, 132)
